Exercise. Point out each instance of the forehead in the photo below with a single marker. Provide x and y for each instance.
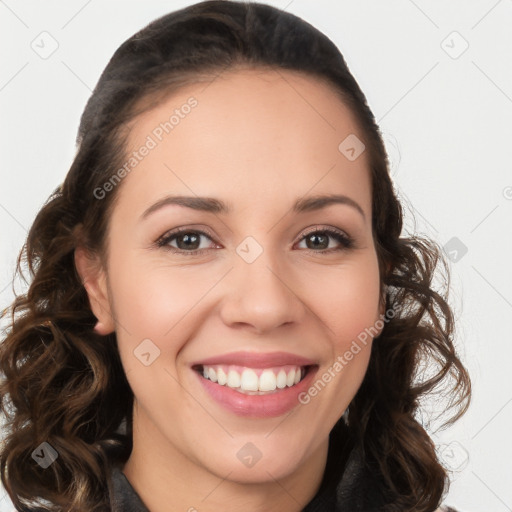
(251, 133)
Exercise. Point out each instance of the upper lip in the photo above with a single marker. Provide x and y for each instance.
(256, 360)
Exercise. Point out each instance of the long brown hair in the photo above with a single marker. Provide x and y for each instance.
(64, 384)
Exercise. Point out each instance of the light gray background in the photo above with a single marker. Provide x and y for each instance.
(446, 115)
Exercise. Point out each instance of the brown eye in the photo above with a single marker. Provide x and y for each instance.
(320, 240)
(188, 241)
(184, 241)
(317, 241)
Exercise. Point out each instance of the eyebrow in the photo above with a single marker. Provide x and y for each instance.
(212, 205)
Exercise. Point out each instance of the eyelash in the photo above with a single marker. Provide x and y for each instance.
(345, 241)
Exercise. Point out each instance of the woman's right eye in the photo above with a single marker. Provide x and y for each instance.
(187, 241)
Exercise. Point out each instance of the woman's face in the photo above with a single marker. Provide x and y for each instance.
(262, 285)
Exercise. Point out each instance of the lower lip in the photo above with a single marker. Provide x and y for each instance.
(258, 406)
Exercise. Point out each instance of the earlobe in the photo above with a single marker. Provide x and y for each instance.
(93, 277)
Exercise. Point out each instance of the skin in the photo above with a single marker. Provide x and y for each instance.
(258, 140)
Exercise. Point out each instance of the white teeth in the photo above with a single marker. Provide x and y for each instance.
(222, 378)
(268, 381)
(290, 380)
(249, 380)
(212, 375)
(233, 379)
(281, 379)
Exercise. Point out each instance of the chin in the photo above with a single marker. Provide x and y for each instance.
(248, 464)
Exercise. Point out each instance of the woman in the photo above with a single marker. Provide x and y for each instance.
(222, 314)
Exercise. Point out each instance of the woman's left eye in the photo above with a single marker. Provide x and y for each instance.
(188, 241)
(320, 239)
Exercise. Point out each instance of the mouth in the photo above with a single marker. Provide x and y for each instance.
(255, 385)
(254, 381)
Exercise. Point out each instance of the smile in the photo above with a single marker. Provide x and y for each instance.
(254, 380)
(272, 391)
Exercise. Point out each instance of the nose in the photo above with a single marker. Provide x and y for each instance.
(260, 297)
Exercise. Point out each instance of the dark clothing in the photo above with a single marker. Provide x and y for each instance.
(348, 485)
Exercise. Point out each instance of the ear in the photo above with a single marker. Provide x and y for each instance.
(94, 279)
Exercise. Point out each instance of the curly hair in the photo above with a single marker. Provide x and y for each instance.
(64, 384)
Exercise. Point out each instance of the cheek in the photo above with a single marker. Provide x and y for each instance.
(347, 301)
(163, 303)
(151, 299)
(155, 309)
